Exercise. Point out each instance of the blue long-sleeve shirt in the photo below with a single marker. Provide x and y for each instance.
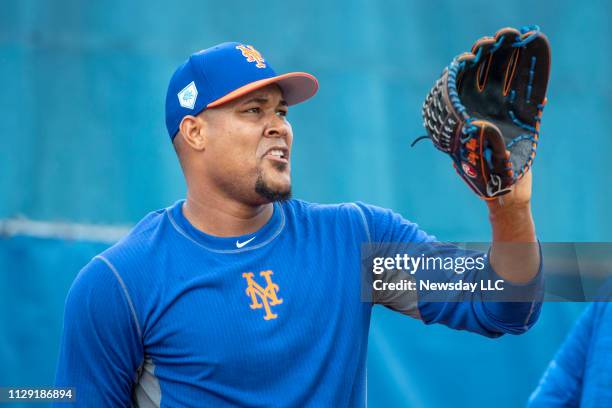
(580, 375)
(170, 316)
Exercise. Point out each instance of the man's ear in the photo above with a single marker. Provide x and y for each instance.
(193, 129)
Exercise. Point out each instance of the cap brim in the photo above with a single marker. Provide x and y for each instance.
(296, 87)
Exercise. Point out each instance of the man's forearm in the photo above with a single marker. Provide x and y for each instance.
(515, 254)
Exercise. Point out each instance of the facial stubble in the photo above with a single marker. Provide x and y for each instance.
(267, 192)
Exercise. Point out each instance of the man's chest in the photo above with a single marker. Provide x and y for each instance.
(258, 314)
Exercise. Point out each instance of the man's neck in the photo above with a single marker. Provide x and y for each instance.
(225, 219)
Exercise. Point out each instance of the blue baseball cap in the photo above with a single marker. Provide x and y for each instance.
(219, 74)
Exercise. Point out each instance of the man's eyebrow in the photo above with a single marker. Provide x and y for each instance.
(263, 100)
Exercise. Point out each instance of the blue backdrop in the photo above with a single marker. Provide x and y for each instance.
(84, 141)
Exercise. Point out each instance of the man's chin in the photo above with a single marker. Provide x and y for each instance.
(270, 192)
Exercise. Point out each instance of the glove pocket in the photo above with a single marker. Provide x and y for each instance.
(483, 161)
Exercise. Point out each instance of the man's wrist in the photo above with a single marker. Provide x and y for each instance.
(502, 206)
(513, 211)
(512, 223)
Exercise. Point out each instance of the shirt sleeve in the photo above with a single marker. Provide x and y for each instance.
(101, 346)
(561, 384)
(461, 310)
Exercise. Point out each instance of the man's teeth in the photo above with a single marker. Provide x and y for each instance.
(277, 153)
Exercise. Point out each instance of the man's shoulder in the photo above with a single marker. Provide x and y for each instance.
(347, 215)
(378, 223)
(302, 207)
(144, 239)
(357, 211)
(132, 265)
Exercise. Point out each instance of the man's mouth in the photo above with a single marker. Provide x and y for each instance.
(279, 154)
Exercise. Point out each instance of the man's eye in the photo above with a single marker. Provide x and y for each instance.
(282, 113)
(253, 110)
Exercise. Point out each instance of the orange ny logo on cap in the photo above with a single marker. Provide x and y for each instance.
(252, 55)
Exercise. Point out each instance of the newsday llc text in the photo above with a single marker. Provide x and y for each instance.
(411, 264)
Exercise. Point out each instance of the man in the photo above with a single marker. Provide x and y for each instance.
(580, 375)
(239, 296)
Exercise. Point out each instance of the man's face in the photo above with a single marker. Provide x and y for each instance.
(248, 147)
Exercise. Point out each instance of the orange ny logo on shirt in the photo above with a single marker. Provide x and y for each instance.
(252, 55)
(260, 296)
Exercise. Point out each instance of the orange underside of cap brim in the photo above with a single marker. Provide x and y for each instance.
(296, 86)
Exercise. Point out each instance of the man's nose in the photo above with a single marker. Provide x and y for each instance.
(277, 127)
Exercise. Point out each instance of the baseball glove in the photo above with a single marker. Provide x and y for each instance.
(485, 109)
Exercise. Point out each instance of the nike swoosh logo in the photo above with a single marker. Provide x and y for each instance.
(241, 244)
